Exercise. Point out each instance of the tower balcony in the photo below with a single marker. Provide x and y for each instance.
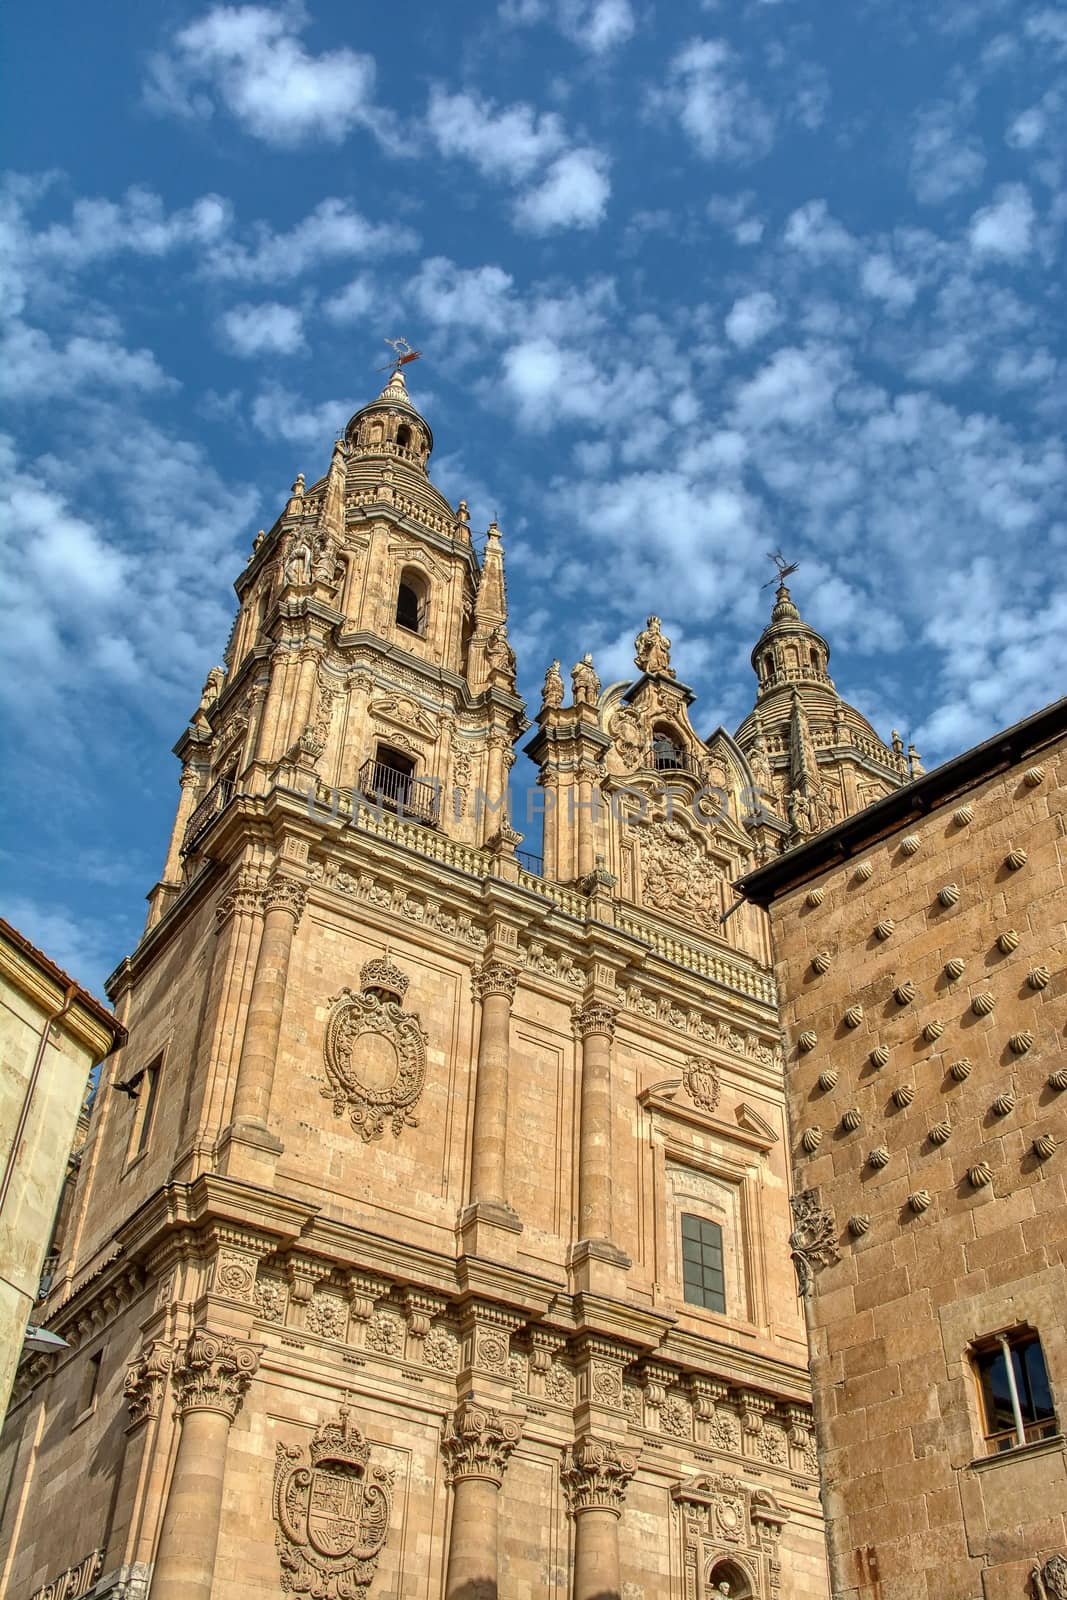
(217, 799)
(417, 799)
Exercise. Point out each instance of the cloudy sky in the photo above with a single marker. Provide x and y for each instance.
(693, 281)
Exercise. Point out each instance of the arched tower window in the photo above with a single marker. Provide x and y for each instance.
(403, 436)
(768, 664)
(816, 663)
(412, 601)
(667, 753)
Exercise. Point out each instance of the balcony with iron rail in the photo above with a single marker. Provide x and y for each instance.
(413, 799)
(215, 801)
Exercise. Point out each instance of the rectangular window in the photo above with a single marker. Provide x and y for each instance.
(702, 1264)
(1015, 1393)
(146, 1083)
(90, 1383)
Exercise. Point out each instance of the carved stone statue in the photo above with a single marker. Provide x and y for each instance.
(298, 562)
(653, 649)
(326, 568)
(585, 683)
(499, 654)
(723, 1586)
(212, 688)
(552, 690)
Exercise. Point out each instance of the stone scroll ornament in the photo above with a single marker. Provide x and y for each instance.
(1049, 1581)
(812, 1242)
(332, 1507)
(375, 1053)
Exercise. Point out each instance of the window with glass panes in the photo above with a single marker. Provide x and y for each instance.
(702, 1266)
(1016, 1397)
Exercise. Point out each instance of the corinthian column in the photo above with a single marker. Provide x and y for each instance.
(210, 1377)
(494, 986)
(476, 1446)
(594, 1024)
(284, 899)
(594, 1477)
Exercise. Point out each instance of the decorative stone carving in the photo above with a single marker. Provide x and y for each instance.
(553, 688)
(940, 1133)
(921, 1200)
(933, 1030)
(375, 1055)
(1020, 1043)
(771, 1446)
(1004, 1103)
(954, 967)
(653, 649)
(853, 1016)
(852, 1119)
(980, 1175)
(1039, 977)
(1044, 1146)
(879, 1156)
(440, 1350)
(822, 961)
(811, 1139)
(244, 896)
(146, 1382)
(675, 1418)
(910, 844)
(811, 1243)
(332, 1508)
(271, 1297)
(283, 893)
(596, 1017)
(904, 992)
(327, 1315)
(595, 1475)
(1008, 941)
(212, 1373)
(879, 1056)
(235, 1275)
(828, 1079)
(384, 1335)
(585, 684)
(702, 1083)
(1049, 1580)
(961, 1069)
(678, 876)
(963, 815)
(983, 1004)
(865, 871)
(1058, 1079)
(949, 895)
(815, 897)
(807, 1040)
(859, 1225)
(76, 1581)
(884, 928)
(477, 1443)
(495, 977)
(903, 1095)
(1016, 858)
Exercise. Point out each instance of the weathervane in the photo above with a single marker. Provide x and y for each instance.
(785, 569)
(402, 352)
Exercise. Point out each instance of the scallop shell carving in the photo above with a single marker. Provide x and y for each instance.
(1044, 1146)
(1058, 1079)
(1038, 977)
(940, 1133)
(879, 1055)
(865, 871)
(821, 961)
(1007, 941)
(811, 1139)
(808, 1039)
(980, 1175)
(1015, 859)
(921, 1200)
(949, 895)
(859, 1225)
(933, 1030)
(904, 992)
(854, 1016)
(910, 843)
(815, 897)
(983, 1003)
(879, 1156)
(828, 1079)
(1033, 776)
(954, 967)
(961, 1069)
(904, 1095)
(1020, 1043)
(1004, 1103)
(884, 928)
(852, 1119)
(962, 815)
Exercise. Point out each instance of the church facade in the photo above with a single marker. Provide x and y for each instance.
(437, 1243)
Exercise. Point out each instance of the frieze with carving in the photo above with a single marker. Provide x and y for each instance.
(76, 1581)
(375, 1055)
(332, 1506)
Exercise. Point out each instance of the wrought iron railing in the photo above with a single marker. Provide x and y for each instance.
(217, 799)
(533, 863)
(412, 798)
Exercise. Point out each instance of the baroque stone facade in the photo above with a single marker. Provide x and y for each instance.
(921, 947)
(383, 1283)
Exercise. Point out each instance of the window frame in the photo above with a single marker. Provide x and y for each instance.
(147, 1081)
(1004, 1346)
(411, 579)
(699, 1227)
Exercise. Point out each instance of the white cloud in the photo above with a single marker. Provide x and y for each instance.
(355, 301)
(794, 388)
(281, 414)
(514, 143)
(812, 232)
(267, 329)
(573, 194)
(333, 231)
(945, 161)
(250, 60)
(595, 25)
(736, 216)
(882, 280)
(751, 318)
(1004, 230)
(716, 108)
(34, 367)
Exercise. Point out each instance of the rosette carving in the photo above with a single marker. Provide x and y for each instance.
(595, 1476)
(375, 1055)
(477, 1443)
(212, 1373)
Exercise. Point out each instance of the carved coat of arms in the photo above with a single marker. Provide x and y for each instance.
(332, 1513)
(375, 1054)
(679, 877)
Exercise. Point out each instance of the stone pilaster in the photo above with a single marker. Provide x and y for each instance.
(476, 1445)
(494, 986)
(594, 1027)
(210, 1377)
(595, 1475)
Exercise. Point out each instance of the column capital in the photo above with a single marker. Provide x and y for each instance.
(495, 977)
(243, 894)
(595, 1017)
(284, 893)
(212, 1373)
(477, 1443)
(146, 1381)
(595, 1475)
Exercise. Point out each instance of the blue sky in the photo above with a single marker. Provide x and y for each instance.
(692, 281)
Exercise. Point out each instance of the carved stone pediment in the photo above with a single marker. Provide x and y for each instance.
(414, 552)
(375, 1055)
(403, 712)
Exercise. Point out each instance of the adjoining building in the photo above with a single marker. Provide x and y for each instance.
(438, 1241)
(52, 1034)
(921, 957)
